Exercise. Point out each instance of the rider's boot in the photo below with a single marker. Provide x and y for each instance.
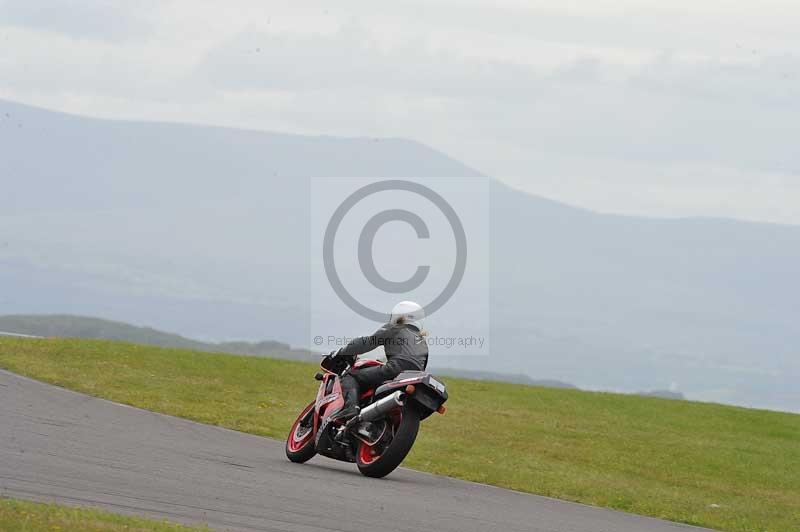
(350, 408)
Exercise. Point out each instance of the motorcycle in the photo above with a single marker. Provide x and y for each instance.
(381, 435)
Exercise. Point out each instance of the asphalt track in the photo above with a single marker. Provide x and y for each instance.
(62, 446)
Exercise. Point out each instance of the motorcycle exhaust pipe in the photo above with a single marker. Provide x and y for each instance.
(381, 407)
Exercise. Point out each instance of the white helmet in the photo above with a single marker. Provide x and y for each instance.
(408, 312)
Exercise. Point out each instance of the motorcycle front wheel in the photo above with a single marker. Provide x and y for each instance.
(300, 441)
(382, 458)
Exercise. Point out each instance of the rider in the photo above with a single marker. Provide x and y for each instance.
(403, 341)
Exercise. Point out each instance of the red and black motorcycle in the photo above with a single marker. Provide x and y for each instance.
(384, 431)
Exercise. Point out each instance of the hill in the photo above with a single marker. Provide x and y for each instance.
(205, 231)
(95, 328)
(723, 467)
(67, 326)
(664, 394)
(514, 378)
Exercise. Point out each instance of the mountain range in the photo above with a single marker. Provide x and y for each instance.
(205, 231)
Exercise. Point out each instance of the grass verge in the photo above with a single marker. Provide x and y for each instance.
(718, 466)
(19, 516)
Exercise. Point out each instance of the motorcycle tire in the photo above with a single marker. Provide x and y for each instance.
(301, 449)
(395, 452)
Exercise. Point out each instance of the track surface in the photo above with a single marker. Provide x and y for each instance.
(58, 445)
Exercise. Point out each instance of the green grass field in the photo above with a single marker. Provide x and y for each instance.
(668, 459)
(19, 516)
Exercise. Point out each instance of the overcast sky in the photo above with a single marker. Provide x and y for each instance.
(676, 108)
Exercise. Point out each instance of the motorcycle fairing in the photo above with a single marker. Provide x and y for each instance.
(330, 400)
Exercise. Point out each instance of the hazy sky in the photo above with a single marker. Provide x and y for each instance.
(662, 108)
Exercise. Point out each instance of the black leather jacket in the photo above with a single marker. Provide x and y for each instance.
(400, 342)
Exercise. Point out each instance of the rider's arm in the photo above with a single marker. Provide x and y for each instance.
(365, 344)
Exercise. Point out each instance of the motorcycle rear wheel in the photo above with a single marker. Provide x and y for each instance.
(377, 463)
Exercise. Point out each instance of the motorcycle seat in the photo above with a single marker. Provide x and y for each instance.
(366, 363)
